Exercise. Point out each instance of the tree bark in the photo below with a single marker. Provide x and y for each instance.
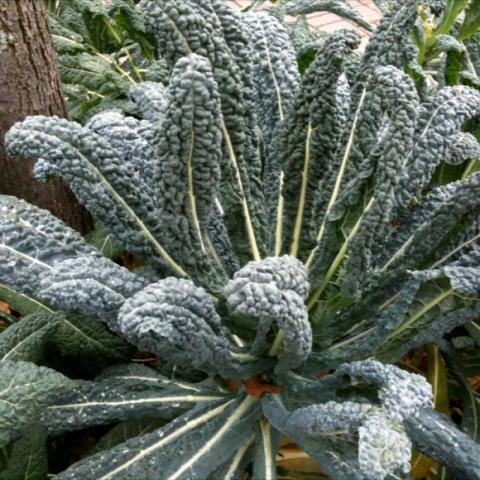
(30, 85)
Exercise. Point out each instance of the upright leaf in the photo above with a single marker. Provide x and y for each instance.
(193, 27)
(309, 141)
(189, 165)
(276, 79)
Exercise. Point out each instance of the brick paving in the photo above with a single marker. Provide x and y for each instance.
(330, 22)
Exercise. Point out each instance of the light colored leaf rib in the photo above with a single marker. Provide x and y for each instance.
(29, 464)
(399, 252)
(351, 340)
(163, 253)
(11, 386)
(154, 379)
(267, 448)
(171, 399)
(83, 334)
(339, 179)
(303, 193)
(18, 345)
(191, 189)
(116, 65)
(181, 35)
(243, 357)
(25, 256)
(217, 437)
(104, 244)
(189, 426)
(422, 311)
(454, 251)
(280, 210)
(238, 458)
(68, 40)
(246, 211)
(436, 374)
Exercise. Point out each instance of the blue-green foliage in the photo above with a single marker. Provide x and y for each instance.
(281, 226)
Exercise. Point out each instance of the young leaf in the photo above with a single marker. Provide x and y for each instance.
(188, 169)
(276, 288)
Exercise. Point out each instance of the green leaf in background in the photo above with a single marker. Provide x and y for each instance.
(83, 336)
(27, 459)
(103, 241)
(25, 391)
(471, 22)
(26, 339)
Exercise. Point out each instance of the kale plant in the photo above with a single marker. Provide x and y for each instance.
(285, 227)
(103, 49)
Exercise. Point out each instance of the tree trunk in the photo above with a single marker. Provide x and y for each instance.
(30, 85)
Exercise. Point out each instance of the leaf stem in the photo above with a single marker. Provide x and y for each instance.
(280, 210)
(472, 167)
(276, 343)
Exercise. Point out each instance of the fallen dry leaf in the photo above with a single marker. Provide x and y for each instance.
(5, 307)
